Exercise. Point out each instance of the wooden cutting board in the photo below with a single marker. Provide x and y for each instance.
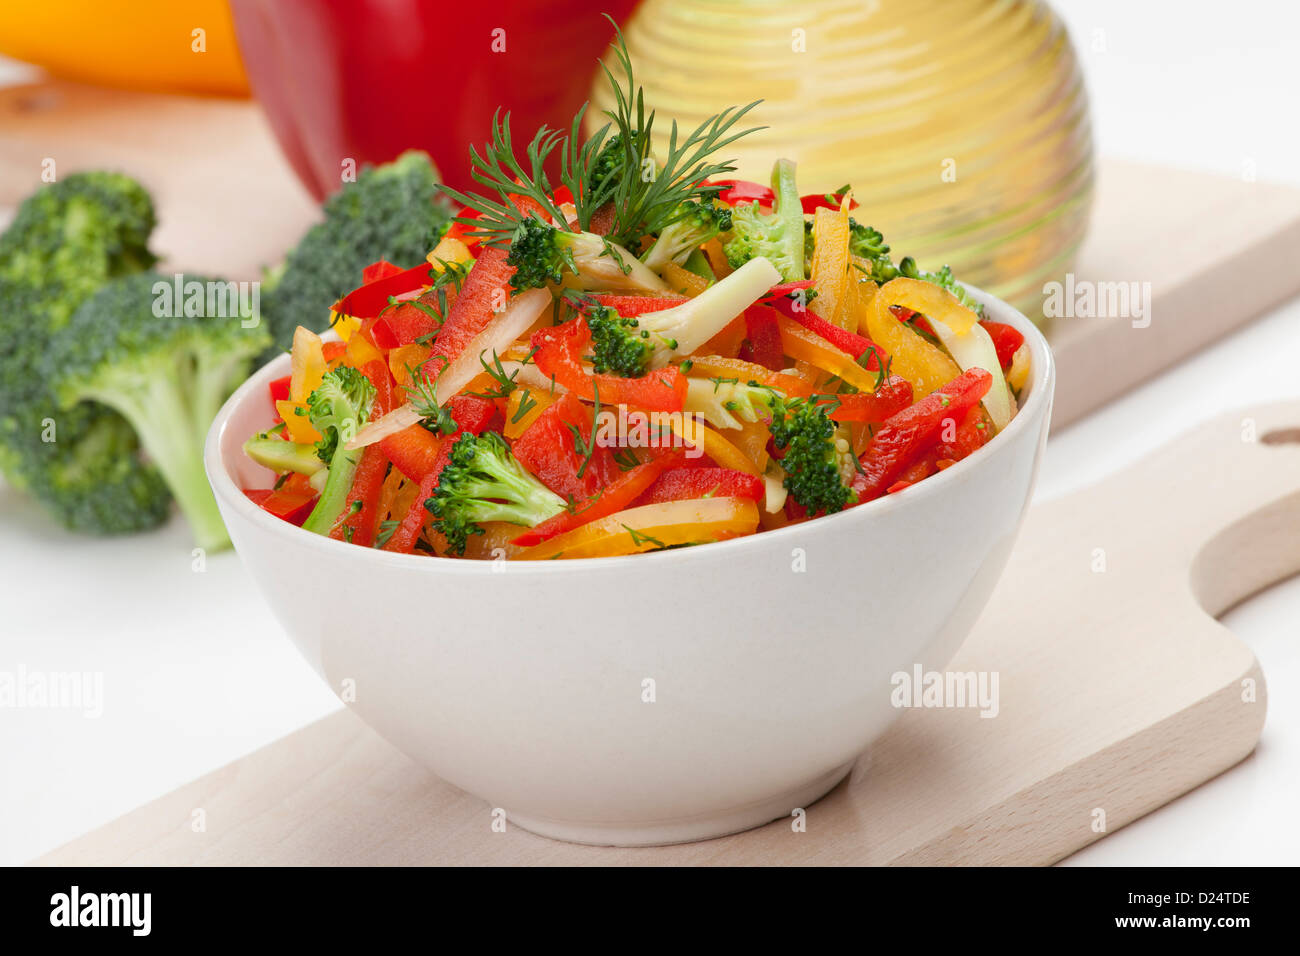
(1118, 691)
(1217, 252)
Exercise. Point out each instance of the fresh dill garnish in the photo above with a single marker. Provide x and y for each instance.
(386, 529)
(639, 538)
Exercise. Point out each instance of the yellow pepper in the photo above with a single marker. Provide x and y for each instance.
(832, 274)
(684, 281)
(698, 435)
(926, 366)
(799, 343)
(360, 351)
(307, 364)
(928, 299)
(344, 325)
(404, 358)
(652, 526)
(298, 426)
(540, 401)
(449, 249)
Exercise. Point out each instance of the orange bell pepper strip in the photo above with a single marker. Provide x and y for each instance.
(684, 281)
(651, 527)
(719, 366)
(832, 274)
(559, 355)
(517, 421)
(698, 435)
(799, 343)
(307, 364)
(362, 505)
(296, 423)
(926, 366)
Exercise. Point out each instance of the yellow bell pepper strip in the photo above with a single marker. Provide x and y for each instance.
(698, 435)
(307, 365)
(684, 281)
(651, 527)
(359, 352)
(719, 366)
(523, 407)
(344, 325)
(296, 423)
(833, 276)
(801, 343)
(751, 438)
(926, 366)
(1018, 374)
(449, 249)
(931, 301)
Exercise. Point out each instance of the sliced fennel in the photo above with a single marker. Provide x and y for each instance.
(974, 349)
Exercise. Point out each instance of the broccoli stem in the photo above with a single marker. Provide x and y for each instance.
(334, 496)
(158, 408)
(789, 210)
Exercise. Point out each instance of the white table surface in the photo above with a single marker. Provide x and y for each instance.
(197, 673)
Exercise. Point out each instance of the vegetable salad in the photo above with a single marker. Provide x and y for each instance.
(610, 352)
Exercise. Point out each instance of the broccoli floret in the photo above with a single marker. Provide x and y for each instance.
(619, 345)
(483, 481)
(809, 244)
(813, 460)
(727, 403)
(542, 254)
(695, 223)
(165, 369)
(82, 464)
(337, 409)
(778, 237)
(392, 212)
(608, 166)
(651, 340)
(867, 243)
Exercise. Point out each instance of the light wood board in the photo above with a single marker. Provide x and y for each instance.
(1216, 251)
(1118, 691)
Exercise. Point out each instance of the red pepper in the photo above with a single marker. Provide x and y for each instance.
(366, 485)
(333, 351)
(1006, 339)
(411, 321)
(378, 331)
(680, 483)
(764, 334)
(812, 203)
(292, 501)
(629, 306)
(378, 270)
(559, 354)
(893, 395)
(480, 291)
(616, 496)
(603, 219)
(905, 436)
(279, 389)
(370, 299)
(404, 536)
(971, 434)
(413, 451)
(844, 340)
(908, 317)
(376, 370)
(547, 449)
(785, 288)
(737, 191)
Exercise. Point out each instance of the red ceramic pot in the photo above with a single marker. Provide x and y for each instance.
(363, 80)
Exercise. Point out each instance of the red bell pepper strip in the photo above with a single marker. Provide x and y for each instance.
(613, 498)
(470, 314)
(680, 483)
(905, 436)
(630, 306)
(844, 340)
(784, 289)
(376, 370)
(378, 270)
(410, 321)
(603, 219)
(547, 448)
(764, 335)
(737, 191)
(974, 430)
(1006, 339)
(331, 352)
(413, 451)
(908, 317)
(362, 503)
(370, 299)
(279, 389)
(559, 351)
(292, 501)
(811, 203)
(893, 395)
(404, 536)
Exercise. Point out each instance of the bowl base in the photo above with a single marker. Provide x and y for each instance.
(685, 829)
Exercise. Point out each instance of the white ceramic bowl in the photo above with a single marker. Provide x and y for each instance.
(769, 657)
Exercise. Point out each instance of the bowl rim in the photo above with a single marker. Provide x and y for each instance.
(1042, 385)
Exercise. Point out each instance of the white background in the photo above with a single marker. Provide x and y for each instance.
(196, 672)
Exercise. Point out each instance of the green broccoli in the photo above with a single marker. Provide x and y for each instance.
(392, 212)
(779, 237)
(165, 370)
(483, 481)
(867, 243)
(82, 464)
(633, 346)
(695, 224)
(541, 254)
(814, 461)
(337, 409)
